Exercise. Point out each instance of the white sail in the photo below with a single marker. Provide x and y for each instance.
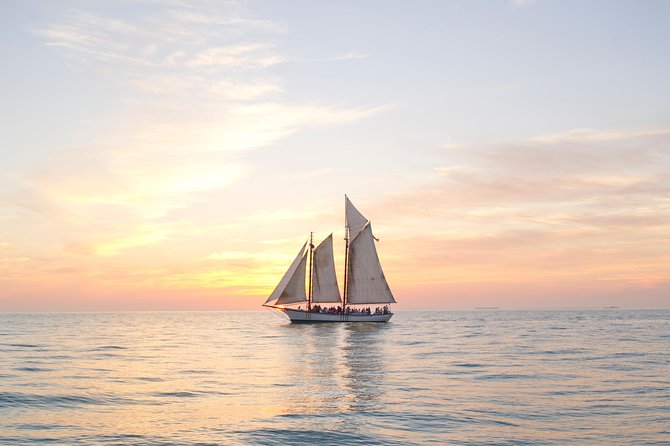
(366, 283)
(291, 288)
(324, 279)
(355, 220)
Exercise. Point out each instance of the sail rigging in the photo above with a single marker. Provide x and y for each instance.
(324, 278)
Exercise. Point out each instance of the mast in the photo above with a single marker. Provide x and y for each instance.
(311, 272)
(346, 257)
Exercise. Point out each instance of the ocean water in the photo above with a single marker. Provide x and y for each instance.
(445, 377)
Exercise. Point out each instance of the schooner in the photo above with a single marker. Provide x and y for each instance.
(364, 280)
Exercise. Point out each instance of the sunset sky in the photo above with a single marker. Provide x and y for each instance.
(175, 155)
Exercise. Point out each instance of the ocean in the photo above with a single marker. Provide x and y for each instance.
(481, 377)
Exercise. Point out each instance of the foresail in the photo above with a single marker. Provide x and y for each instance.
(291, 288)
(366, 281)
(324, 279)
(355, 220)
(295, 290)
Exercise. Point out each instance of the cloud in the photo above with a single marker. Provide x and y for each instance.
(143, 235)
(578, 207)
(147, 38)
(350, 55)
(240, 91)
(90, 36)
(230, 21)
(147, 204)
(568, 166)
(246, 55)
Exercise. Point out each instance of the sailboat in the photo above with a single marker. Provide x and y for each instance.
(364, 280)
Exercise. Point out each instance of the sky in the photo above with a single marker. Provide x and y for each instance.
(174, 155)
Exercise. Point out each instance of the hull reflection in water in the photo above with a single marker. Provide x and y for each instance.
(300, 316)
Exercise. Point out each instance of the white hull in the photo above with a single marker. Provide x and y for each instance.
(304, 316)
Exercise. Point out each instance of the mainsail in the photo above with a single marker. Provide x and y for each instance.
(324, 279)
(366, 283)
(291, 288)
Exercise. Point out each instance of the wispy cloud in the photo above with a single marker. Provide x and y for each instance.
(350, 55)
(137, 205)
(247, 55)
(146, 39)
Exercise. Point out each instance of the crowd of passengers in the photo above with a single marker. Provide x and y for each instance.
(348, 310)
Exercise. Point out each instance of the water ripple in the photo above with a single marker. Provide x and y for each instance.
(442, 377)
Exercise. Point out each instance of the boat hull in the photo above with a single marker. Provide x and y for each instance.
(299, 316)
